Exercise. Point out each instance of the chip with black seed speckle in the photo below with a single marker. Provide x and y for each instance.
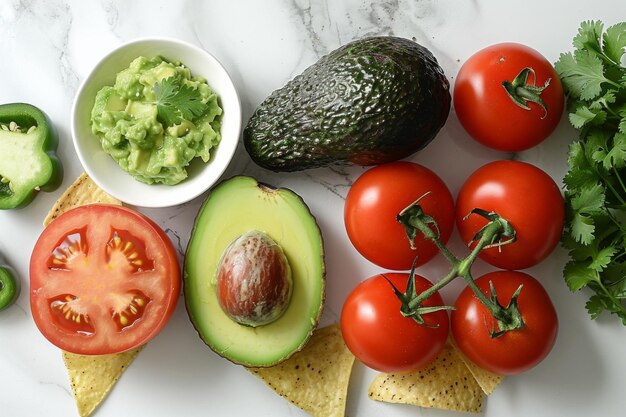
(316, 378)
(445, 384)
(488, 381)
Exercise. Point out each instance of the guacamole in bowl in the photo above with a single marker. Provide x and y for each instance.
(156, 119)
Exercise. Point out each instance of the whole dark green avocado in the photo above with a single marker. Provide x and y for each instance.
(372, 101)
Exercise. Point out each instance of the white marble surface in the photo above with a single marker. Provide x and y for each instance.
(48, 47)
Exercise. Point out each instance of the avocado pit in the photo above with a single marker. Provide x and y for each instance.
(254, 281)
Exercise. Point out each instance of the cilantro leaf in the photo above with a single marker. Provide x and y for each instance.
(176, 101)
(580, 178)
(596, 146)
(596, 305)
(190, 103)
(589, 35)
(615, 42)
(603, 258)
(587, 203)
(582, 74)
(616, 157)
(589, 200)
(587, 115)
(604, 102)
(601, 302)
(582, 228)
(581, 174)
(578, 276)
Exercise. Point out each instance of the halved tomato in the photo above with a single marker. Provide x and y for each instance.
(103, 279)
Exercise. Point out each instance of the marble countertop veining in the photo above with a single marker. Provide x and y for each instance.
(49, 46)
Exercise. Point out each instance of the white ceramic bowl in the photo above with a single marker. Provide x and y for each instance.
(107, 173)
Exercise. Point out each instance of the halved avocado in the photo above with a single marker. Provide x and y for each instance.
(234, 207)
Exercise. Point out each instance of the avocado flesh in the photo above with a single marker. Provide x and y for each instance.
(371, 101)
(233, 208)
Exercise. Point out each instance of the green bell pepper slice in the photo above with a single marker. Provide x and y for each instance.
(28, 162)
(9, 286)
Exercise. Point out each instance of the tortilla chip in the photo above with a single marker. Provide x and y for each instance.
(488, 381)
(316, 378)
(92, 377)
(445, 384)
(82, 192)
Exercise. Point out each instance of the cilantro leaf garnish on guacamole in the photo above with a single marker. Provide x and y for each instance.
(176, 101)
(156, 119)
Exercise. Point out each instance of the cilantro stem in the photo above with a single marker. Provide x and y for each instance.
(614, 84)
(614, 220)
(614, 191)
(616, 303)
(619, 179)
(609, 61)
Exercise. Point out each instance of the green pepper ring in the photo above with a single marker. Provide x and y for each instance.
(9, 287)
(25, 116)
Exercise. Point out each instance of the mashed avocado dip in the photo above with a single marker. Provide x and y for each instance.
(141, 127)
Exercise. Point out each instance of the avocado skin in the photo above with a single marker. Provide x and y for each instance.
(371, 101)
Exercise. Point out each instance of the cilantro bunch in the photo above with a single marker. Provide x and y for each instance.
(594, 76)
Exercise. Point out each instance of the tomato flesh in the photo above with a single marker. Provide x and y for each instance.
(515, 351)
(104, 279)
(378, 334)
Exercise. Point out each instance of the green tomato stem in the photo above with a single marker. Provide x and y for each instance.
(491, 235)
(521, 92)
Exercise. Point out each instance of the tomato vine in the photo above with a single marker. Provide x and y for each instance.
(496, 233)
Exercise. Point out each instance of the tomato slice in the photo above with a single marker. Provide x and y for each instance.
(104, 279)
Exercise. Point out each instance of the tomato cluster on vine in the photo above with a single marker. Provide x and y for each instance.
(392, 331)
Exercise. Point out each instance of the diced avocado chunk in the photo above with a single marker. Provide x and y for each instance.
(141, 109)
(235, 207)
(107, 99)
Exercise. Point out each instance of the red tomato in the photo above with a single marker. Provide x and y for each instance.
(488, 113)
(516, 350)
(378, 196)
(104, 279)
(380, 336)
(524, 195)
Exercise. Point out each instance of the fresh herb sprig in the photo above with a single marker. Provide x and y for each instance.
(594, 76)
(176, 101)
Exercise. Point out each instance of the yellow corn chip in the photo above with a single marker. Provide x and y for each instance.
(82, 192)
(488, 381)
(92, 377)
(445, 384)
(316, 378)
